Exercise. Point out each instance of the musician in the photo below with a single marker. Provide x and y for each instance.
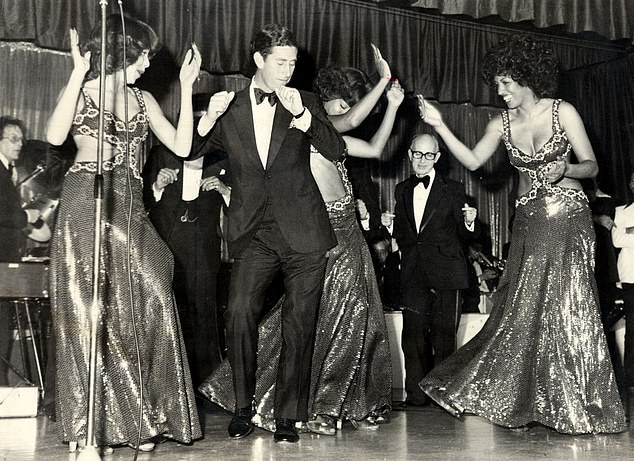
(13, 219)
(483, 273)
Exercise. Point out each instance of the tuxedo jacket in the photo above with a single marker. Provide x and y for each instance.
(286, 185)
(433, 255)
(13, 219)
(165, 213)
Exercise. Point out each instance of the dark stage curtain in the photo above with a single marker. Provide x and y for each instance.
(613, 19)
(437, 56)
(604, 96)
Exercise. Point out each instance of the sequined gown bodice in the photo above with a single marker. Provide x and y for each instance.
(535, 165)
(351, 372)
(542, 355)
(136, 304)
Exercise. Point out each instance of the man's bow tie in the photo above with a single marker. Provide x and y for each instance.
(260, 95)
(424, 180)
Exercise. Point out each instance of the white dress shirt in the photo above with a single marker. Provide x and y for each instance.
(624, 219)
(14, 173)
(263, 115)
(421, 195)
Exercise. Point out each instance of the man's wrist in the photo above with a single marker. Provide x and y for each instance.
(301, 113)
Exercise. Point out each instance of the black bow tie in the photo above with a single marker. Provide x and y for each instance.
(260, 95)
(424, 180)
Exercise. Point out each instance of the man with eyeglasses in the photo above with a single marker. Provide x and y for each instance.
(13, 219)
(431, 227)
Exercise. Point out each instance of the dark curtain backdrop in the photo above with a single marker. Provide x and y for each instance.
(438, 57)
(604, 96)
(611, 18)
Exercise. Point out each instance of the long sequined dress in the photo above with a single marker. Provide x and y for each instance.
(352, 370)
(542, 355)
(136, 308)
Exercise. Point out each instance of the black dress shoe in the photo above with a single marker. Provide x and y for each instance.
(285, 431)
(241, 425)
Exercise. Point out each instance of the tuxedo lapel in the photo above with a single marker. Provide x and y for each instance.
(243, 132)
(437, 192)
(280, 127)
(409, 204)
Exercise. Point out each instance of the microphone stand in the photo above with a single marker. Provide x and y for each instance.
(90, 452)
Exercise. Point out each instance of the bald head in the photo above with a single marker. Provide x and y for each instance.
(424, 143)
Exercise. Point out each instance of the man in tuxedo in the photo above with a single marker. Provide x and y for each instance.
(184, 201)
(432, 224)
(276, 220)
(14, 221)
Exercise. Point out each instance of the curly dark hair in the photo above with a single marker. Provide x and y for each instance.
(347, 83)
(139, 38)
(529, 62)
(6, 121)
(269, 36)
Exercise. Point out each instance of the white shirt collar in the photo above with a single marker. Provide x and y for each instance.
(5, 161)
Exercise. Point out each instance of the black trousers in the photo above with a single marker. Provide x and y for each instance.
(196, 249)
(251, 274)
(429, 337)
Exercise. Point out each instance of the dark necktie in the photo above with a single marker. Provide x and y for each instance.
(11, 170)
(424, 180)
(260, 95)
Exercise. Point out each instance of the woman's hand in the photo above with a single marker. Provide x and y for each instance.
(555, 170)
(80, 63)
(191, 66)
(429, 113)
(395, 94)
(382, 67)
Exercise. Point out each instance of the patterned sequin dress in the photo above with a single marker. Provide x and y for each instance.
(135, 306)
(541, 356)
(352, 371)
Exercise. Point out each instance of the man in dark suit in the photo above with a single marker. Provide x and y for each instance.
(184, 200)
(14, 221)
(276, 220)
(431, 225)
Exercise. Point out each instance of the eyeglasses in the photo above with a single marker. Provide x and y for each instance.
(14, 139)
(427, 155)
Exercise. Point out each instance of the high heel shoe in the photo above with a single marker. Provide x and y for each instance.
(145, 447)
(322, 424)
(438, 396)
(365, 424)
(379, 418)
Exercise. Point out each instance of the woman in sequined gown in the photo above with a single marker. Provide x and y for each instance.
(135, 299)
(542, 355)
(351, 374)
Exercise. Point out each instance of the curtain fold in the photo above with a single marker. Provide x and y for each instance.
(613, 19)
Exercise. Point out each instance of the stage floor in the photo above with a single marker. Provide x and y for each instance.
(426, 433)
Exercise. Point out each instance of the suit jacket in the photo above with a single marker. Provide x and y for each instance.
(13, 219)
(286, 185)
(168, 211)
(435, 253)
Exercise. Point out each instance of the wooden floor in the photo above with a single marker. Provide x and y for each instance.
(426, 433)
